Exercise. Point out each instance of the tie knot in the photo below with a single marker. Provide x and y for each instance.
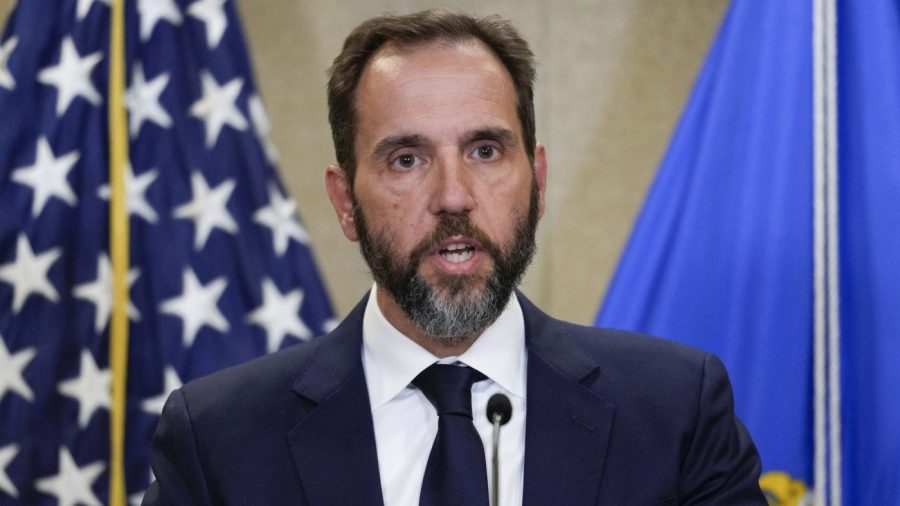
(449, 388)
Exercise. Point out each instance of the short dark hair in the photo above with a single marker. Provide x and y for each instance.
(411, 30)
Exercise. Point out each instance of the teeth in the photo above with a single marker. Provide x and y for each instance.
(457, 253)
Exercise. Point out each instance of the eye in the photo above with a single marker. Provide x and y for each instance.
(406, 161)
(487, 152)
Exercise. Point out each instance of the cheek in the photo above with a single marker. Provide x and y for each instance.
(397, 220)
(506, 203)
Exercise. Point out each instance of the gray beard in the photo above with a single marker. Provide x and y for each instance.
(450, 320)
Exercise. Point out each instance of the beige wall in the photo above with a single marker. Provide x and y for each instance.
(613, 76)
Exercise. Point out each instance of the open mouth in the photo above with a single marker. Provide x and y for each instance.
(457, 252)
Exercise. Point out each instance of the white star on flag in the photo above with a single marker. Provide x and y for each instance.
(137, 498)
(208, 208)
(72, 484)
(72, 76)
(136, 193)
(217, 107)
(152, 11)
(11, 369)
(7, 454)
(91, 388)
(171, 382)
(212, 14)
(197, 305)
(6, 78)
(280, 216)
(142, 101)
(262, 127)
(330, 324)
(84, 7)
(279, 315)
(47, 176)
(100, 293)
(28, 273)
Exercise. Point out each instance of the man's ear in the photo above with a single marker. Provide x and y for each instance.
(540, 175)
(339, 193)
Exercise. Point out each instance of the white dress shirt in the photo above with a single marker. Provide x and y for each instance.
(406, 422)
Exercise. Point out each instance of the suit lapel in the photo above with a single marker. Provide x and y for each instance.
(568, 426)
(333, 443)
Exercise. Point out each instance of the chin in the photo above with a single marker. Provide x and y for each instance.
(454, 287)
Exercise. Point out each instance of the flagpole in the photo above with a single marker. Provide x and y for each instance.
(834, 329)
(819, 255)
(827, 330)
(118, 243)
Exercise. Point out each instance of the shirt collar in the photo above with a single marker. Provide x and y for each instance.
(392, 360)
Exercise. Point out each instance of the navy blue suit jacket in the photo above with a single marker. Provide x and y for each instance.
(613, 418)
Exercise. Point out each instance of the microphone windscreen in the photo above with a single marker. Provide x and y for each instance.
(499, 406)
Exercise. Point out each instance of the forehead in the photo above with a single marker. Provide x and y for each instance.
(470, 53)
(437, 78)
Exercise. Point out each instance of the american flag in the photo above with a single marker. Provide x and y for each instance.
(220, 270)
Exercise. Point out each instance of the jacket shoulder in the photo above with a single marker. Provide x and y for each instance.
(616, 353)
(636, 350)
(255, 377)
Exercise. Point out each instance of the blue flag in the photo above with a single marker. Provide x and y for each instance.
(723, 255)
(869, 186)
(221, 270)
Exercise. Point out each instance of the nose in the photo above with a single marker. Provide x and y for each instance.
(454, 187)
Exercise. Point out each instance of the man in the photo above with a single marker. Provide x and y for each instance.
(441, 181)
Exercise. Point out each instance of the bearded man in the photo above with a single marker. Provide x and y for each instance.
(441, 181)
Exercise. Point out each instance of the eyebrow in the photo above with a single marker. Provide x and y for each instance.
(501, 135)
(388, 144)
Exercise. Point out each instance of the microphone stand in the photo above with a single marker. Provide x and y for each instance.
(499, 411)
(495, 461)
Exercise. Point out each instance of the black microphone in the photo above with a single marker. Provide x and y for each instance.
(499, 411)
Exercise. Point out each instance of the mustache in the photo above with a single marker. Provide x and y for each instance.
(450, 225)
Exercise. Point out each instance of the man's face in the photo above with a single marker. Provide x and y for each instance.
(445, 201)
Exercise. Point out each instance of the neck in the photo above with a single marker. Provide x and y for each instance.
(436, 346)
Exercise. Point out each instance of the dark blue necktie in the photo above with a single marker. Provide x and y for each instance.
(456, 473)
